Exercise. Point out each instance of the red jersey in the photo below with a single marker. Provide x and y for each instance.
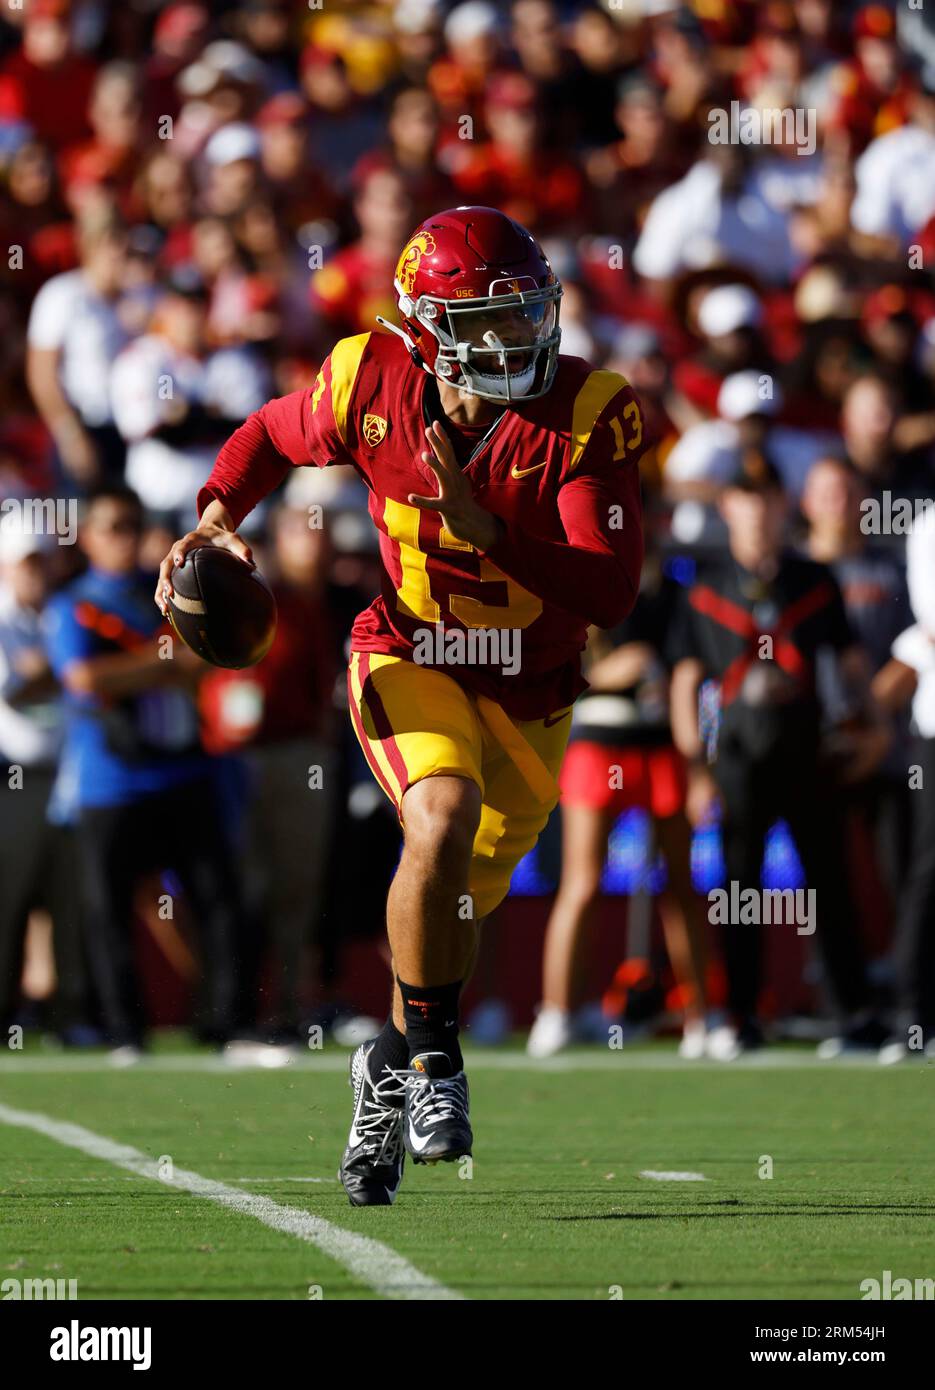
(560, 472)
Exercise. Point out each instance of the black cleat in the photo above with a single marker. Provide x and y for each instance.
(436, 1126)
(372, 1167)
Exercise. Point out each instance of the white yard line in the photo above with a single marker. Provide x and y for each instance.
(672, 1177)
(369, 1261)
(84, 1178)
(477, 1059)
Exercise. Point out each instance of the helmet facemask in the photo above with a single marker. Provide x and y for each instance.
(503, 347)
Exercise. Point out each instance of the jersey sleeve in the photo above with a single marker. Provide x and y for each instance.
(595, 573)
(306, 427)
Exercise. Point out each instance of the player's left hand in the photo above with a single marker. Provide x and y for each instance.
(462, 515)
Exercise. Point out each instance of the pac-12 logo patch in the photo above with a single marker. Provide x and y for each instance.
(374, 429)
(422, 244)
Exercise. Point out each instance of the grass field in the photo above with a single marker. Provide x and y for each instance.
(558, 1206)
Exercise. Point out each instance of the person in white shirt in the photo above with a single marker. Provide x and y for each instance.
(911, 674)
(896, 175)
(73, 338)
(175, 400)
(708, 454)
(37, 870)
(728, 208)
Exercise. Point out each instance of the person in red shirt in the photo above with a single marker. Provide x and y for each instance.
(872, 92)
(413, 129)
(354, 286)
(513, 171)
(111, 157)
(45, 83)
(300, 192)
(631, 172)
(458, 79)
(504, 485)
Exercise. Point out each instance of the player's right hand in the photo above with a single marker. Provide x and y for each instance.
(207, 533)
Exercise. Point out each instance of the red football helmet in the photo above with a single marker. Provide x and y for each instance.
(479, 304)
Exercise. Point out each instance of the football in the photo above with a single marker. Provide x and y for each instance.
(221, 608)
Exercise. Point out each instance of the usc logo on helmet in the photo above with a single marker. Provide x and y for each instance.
(422, 244)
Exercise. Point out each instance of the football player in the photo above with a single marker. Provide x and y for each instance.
(503, 483)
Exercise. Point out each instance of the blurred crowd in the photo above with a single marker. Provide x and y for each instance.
(197, 199)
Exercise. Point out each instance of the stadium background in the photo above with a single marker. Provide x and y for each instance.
(303, 142)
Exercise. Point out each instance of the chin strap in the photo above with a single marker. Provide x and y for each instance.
(414, 352)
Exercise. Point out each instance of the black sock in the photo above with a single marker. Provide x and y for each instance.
(431, 1013)
(390, 1051)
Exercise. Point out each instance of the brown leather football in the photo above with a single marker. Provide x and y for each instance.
(222, 609)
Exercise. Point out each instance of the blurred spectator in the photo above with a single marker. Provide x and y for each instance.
(458, 80)
(175, 401)
(417, 26)
(516, 170)
(280, 715)
(232, 156)
(166, 191)
(343, 126)
(37, 868)
(357, 283)
(74, 337)
(132, 743)
(620, 755)
(726, 208)
(896, 174)
(869, 416)
(873, 91)
(729, 319)
(710, 453)
(632, 171)
(911, 675)
(601, 46)
(110, 157)
(872, 580)
(299, 193)
(768, 760)
(45, 83)
(178, 37)
(413, 128)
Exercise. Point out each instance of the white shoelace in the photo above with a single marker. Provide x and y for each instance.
(434, 1098)
(381, 1129)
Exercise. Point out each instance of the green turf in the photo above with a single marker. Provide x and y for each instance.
(555, 1207)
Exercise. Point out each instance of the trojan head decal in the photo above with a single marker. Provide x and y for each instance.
(422, 244)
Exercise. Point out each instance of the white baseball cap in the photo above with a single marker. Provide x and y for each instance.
(471, 20)
(231, 143)
(727, 308)
(16, 543)
(745, 393)
(416, 16)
